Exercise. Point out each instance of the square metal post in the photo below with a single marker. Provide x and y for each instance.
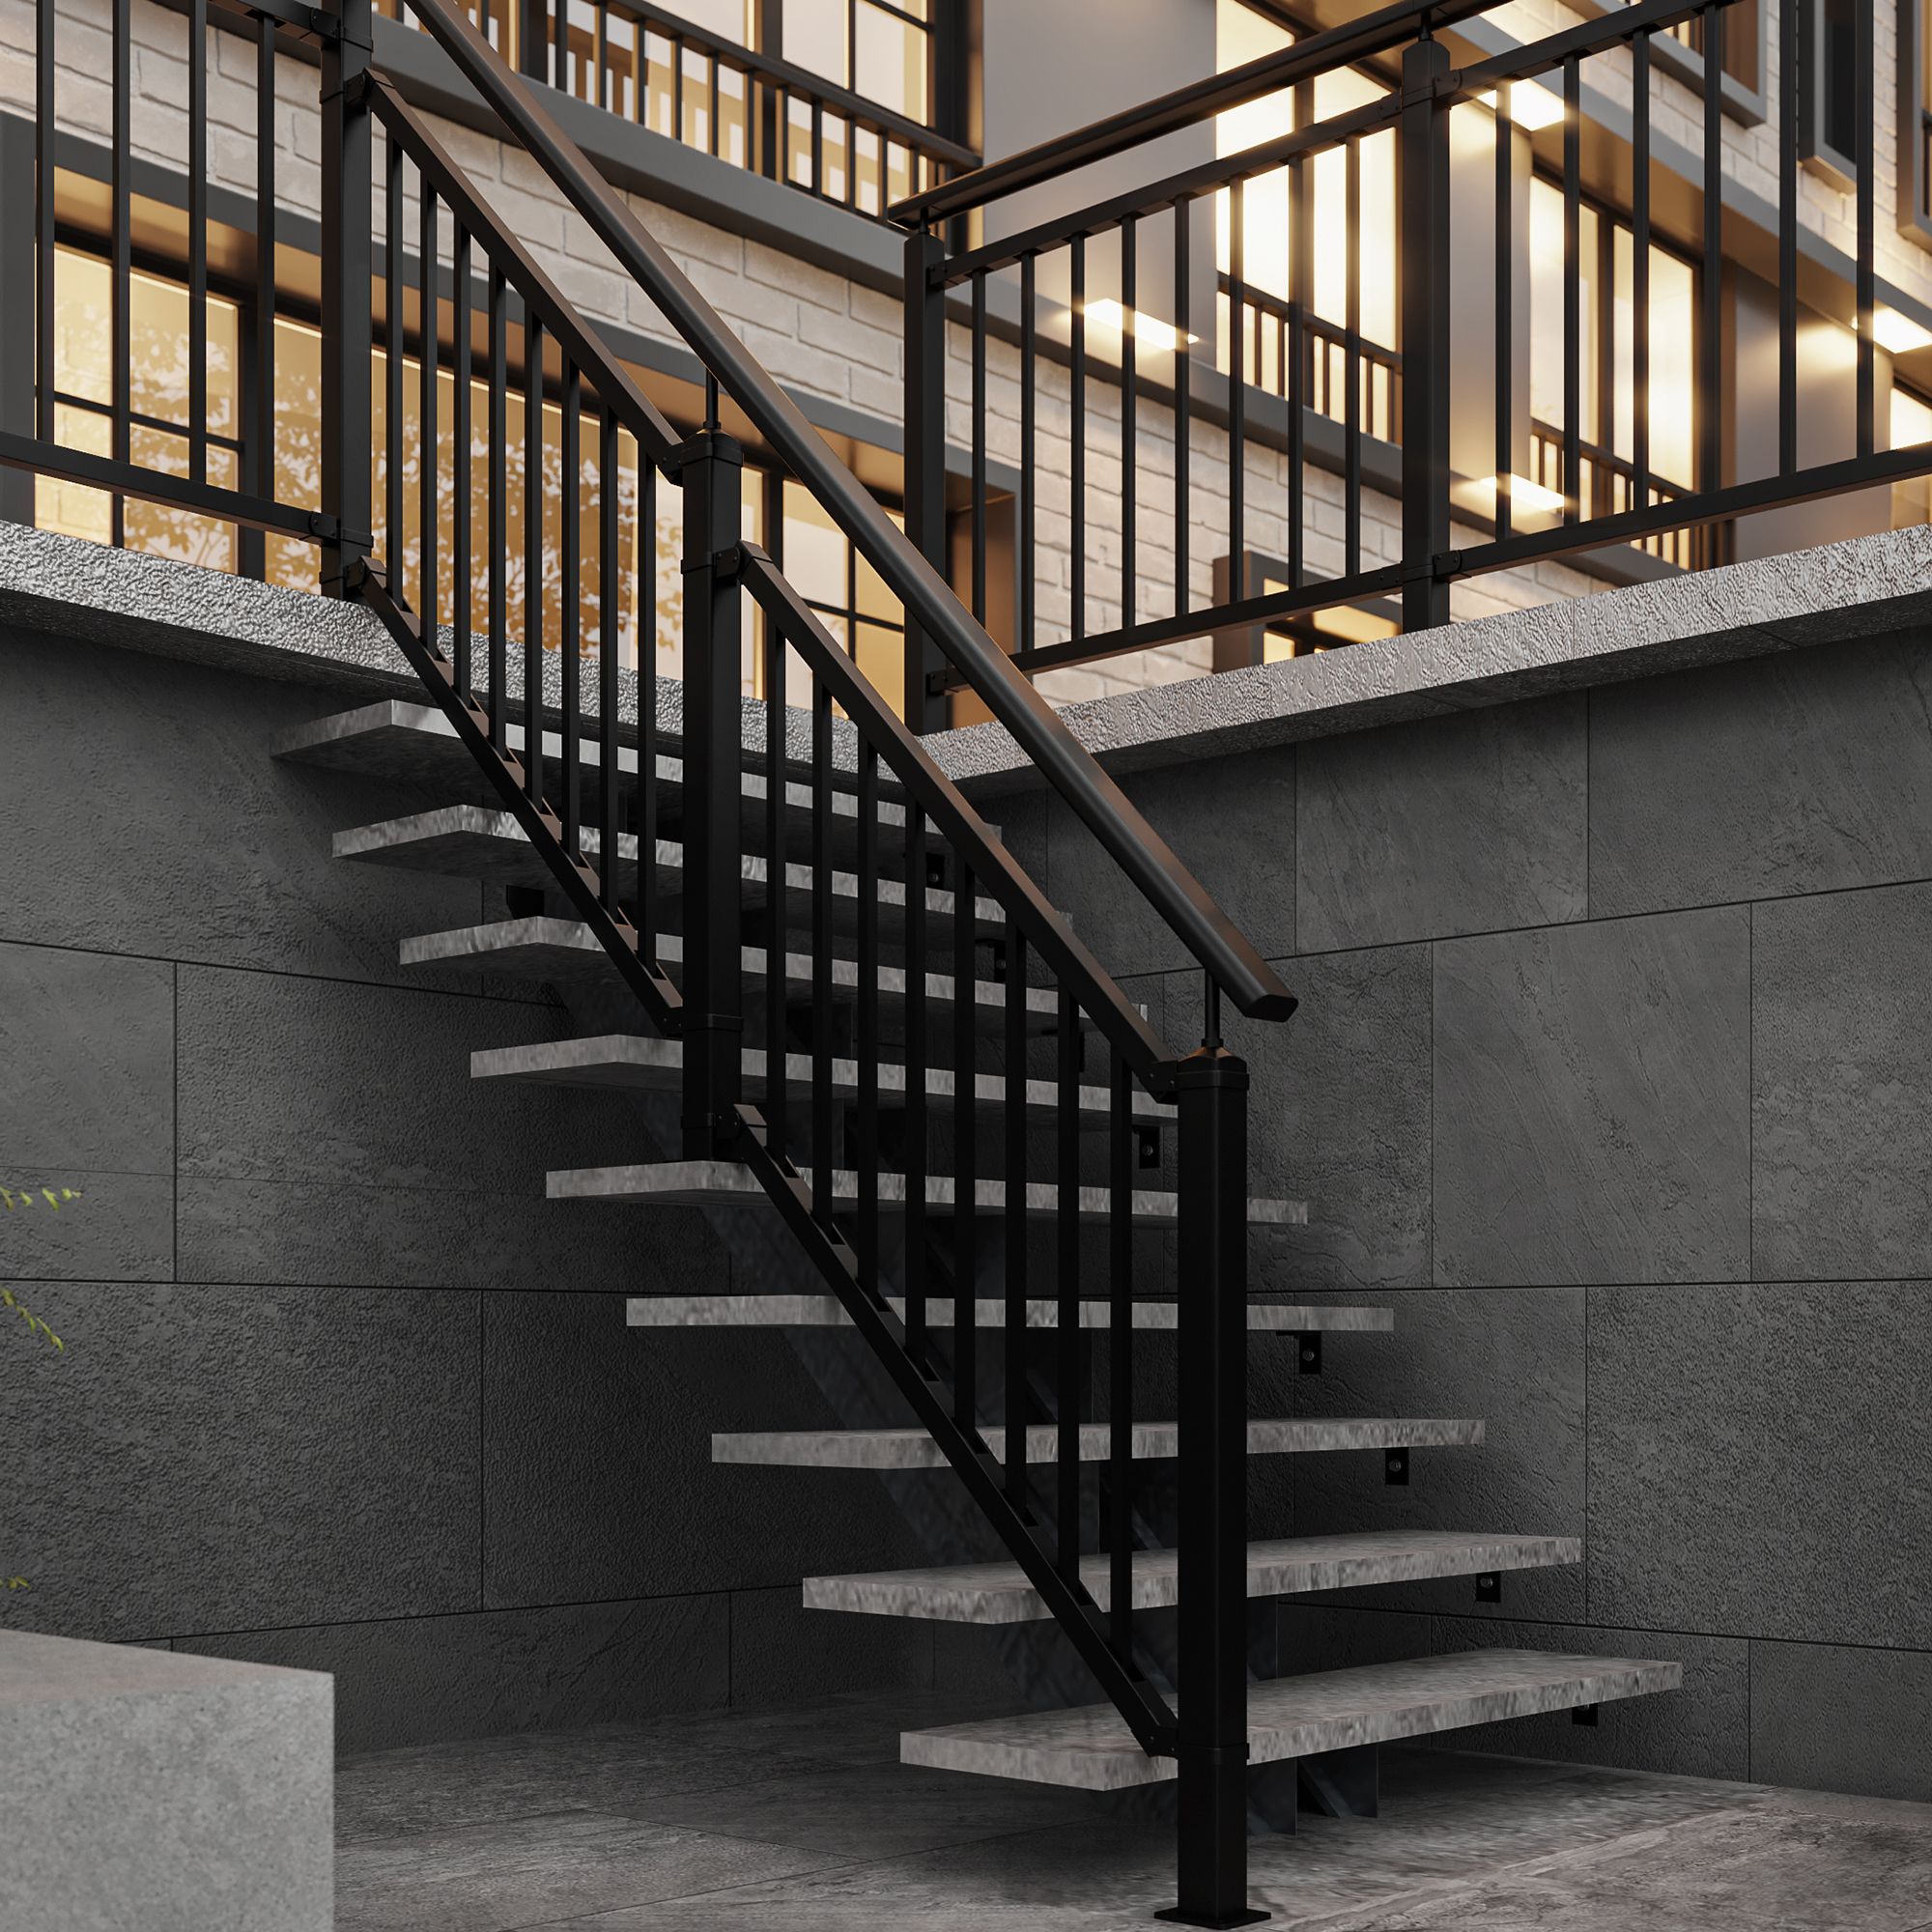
(1423, 258)
(713, 1010)
(16, 311)
(924, 462)
(1211, 1487)
(348, 263)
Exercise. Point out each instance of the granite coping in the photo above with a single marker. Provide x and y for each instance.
(825, 1311)
(915, 1449)
(1865, 587)
(41, 1669)
(637, 1061)
(1296, 1717)
(1000, 1593)
(731, 1183)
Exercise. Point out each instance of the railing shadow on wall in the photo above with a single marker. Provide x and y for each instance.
(1614, 426)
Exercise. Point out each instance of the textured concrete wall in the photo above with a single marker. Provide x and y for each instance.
(1614, 1077)
(341, 1390)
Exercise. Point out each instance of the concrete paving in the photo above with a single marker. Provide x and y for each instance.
(803, 1821)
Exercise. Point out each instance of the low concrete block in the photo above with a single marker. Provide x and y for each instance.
(147, 1790)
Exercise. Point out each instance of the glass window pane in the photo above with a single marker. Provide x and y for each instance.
(814, 551)
(891, 62)
(814, 37)
(729, 19)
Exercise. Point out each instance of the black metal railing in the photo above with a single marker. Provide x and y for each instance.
(1641, 428)
(949, 1088)
(704, 88)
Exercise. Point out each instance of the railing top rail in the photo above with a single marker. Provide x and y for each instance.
(1168, 887)
(798, 80)
(1200, 100)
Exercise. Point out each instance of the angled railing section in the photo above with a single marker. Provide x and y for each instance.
(895, 1195)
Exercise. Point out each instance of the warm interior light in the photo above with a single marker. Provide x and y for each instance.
(1899, 333)
(1109, 314)
(1530, 107)
(1527, 496)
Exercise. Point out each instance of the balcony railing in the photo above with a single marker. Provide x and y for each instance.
(1646, 406)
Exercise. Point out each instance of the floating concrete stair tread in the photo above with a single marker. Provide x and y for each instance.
(915, 1449)
(731, 1183)
(825, 1311)
(1093, 1750)
(637, 1061)
(566, 949)
(473, 842)
(415, 744)
(999, 1593)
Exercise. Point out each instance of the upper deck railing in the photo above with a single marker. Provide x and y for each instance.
(1242, 358)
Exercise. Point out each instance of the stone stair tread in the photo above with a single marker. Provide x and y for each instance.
(542, 947)
(999, 1593)
(825, 1311)
(1091, 1749)
(414, 743)
(635, 1061)
(472, 842)
(915, 1449)
(731, 1183)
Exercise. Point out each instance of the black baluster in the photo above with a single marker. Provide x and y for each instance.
(1028, 507)
(392, 360)
(1351, 363)
(497, 565)
(965, 1137)
(429, 505)
(1184, 371)
(610, 632)
(1018, 1404)
(462, 529)
(776, 846)
(1505, 298)
(1129, 398)
(197, 240)
(1068, 1379)
(1121, 1357)
(867, 1043)
(569, 626)
(1077, 464)
(533, 557)
(1238, 393)
(824, 1154)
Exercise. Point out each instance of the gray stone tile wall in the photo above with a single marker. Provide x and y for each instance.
(1614, 1077)
(340, 1388)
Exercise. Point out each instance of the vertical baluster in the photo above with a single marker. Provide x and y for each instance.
(1028, 504)
(965, 1150)
(1237, 394)
(429, 502)
(867, 1043)
(197, 240)
(610, 629)
(1300, 287)
(1789, 19)
(123, 346)
(1572, 311)
(777, 844)
(1711, 311)
(645, 786)
(392, 357)
(497, 437)
(1018, 1403)
(824, 1155)
(1505, 301)
(917, 1058)
(1184, 370)
(1121, 1357)
(462, 532)
(1351, 368)
(1067, 1251)
(45, 71)
(533, 557)
(1077, 466)
(979, 445)
(261, 438)
(1868, 289)
(1130, 428)
(570, 615)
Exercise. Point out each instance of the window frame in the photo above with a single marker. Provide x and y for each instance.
(1748, 106)
(1913, 182)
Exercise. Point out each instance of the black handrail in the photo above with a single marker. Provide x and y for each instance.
(1201, 925)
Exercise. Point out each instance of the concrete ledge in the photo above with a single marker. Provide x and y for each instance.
(1867, 587)
(149, 1791)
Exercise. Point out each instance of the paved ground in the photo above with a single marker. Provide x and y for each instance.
(803, 1821)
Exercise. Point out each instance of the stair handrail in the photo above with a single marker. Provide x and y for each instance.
(1223, 951)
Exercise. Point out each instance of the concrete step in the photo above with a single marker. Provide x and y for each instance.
(566, 949)
(635, 1061)
(999, 1593)
(415, 744)
(915, 1449)
(824, 1311)
(1296, 1717)
(731, 1183)
(470, 841)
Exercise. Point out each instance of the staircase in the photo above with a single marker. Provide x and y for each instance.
(879, 1030)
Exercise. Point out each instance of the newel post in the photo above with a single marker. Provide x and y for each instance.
(1424, 227)
(348, 262)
